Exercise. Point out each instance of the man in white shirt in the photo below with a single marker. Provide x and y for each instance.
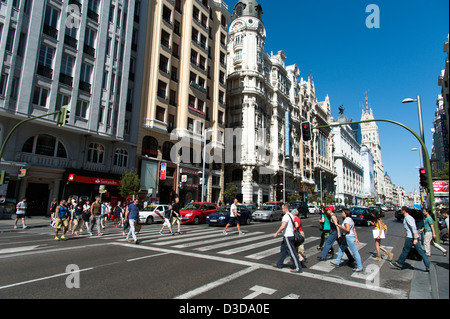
(287, 245)
(234, 217)
(411, 239)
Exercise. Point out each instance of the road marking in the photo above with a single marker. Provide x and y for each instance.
(18, 249)
(43, 278)
(326, 265)
(216, 283)
(276, 250)
(145, 257)
(291, 296)
(203, 242)
(259, 290)
(239, 240)
(396, 292)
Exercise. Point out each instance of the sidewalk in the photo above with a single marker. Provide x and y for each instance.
(432, 285)
(7, 222)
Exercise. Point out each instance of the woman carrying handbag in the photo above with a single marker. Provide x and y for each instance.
(379, 233)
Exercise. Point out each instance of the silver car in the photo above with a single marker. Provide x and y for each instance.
(268, 213)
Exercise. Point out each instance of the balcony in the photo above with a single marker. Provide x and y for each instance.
(65, 79)
(84, 86)
(50, 31)
(45, 71)
(89, 50)
(198, 87)
(70, 41)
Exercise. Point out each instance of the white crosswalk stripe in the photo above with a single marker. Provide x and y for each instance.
(276, 250)
(326, 265)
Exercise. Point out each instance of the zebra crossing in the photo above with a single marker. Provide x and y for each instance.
(255, 246)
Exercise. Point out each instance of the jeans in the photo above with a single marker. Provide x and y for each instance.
(409, 242)
(95, 220)
(329, 244)
(132, 231)
(351, 243)
(287, 247)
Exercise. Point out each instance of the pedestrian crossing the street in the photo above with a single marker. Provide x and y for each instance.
(254, 246)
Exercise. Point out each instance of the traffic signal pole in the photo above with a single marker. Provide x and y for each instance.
(426, 158)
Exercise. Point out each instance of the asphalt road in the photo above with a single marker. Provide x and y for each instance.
(202, 264)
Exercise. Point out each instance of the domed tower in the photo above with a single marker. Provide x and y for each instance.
(246, 37)
(248, 103)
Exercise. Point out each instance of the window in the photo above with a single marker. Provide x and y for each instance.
(167, 147)
(89, 37)
(149, 147)
(51, 16)
(96, 153)
(67, 63)
(10, 39)
(40, 96)
(45, 145)
(121, 157)
(160, 113)
(3, 82)
(86, 71)
(61, 99)
(82, 108)
(46, 56)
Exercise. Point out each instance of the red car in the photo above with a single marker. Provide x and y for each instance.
(196, 212)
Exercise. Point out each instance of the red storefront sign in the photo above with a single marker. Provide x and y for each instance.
(163, 171)
(93, 180)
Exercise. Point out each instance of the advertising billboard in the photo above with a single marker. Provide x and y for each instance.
(368, 177)
(440, 188)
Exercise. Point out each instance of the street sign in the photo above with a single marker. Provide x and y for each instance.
(22, 172)
(163, 171)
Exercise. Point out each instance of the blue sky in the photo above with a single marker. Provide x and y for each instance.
(403, 58)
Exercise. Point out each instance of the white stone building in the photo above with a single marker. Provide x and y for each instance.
(347, 162)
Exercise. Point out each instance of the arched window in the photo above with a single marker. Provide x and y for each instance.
(96, 153)
(45, 145)
(121, 157)
(150, 147)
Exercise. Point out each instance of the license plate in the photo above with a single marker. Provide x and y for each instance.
(354, 215)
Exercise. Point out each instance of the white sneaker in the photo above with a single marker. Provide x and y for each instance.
(15, 227)
(225, 233)
(241, 234)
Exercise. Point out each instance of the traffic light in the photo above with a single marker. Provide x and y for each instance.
(63, 116)
(306, 131)
(423, 177)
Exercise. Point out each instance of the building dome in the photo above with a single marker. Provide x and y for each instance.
(247, 8)
(343, 119)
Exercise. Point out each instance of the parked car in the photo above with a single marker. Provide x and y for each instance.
(152, 214)
(197, 212)
(361, 215)
(313, 209)
(302, 208)
(222, 216)
(268, 213)
(378, 209)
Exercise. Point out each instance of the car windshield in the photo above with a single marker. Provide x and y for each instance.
(192, 207)
(224, 209)
(267, 208)
(357, 210)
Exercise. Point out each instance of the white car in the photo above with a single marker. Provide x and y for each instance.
(152, 214)
(313, 209)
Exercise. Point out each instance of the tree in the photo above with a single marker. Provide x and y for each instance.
(129, 184)
(294, 197)
(230, 192)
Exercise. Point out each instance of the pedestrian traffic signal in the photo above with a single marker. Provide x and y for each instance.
(63, 116)
(306, 131)
(423, 177)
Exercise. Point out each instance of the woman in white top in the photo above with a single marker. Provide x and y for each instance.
(348, 227)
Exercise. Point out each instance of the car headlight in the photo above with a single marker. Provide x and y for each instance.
(188, 215)
(222, 217)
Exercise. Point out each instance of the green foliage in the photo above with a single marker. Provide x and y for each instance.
(230, 192)
(129, 184)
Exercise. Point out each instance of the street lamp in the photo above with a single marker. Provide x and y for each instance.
(419, 110)
(205, 133)
(420, 152)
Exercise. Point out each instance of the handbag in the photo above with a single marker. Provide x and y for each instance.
(342, 240)
(298, 238)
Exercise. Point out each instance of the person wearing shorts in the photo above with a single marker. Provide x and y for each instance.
(62, 211)
(234, 218)
(167, 218)
(20, 213)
